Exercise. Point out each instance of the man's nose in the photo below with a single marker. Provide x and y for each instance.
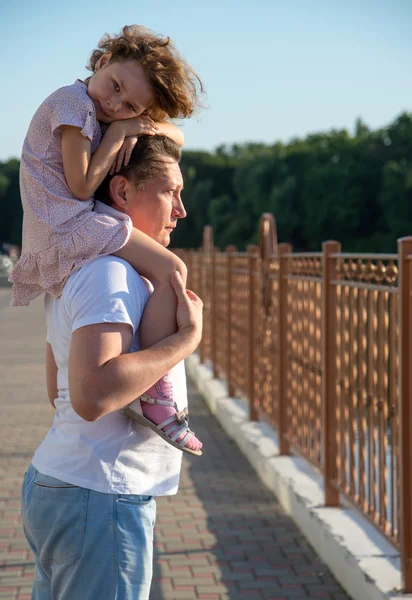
(180, 211)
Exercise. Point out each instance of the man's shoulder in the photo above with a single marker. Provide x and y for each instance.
(106, 264)
(106, 290)
(108, 274)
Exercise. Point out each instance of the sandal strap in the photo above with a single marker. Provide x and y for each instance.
(176, 433)
(168, 421)
(179, 421)
(150, 400)
(182, 415)
(188, 435)
(176, 430)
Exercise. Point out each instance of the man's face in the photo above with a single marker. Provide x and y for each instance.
(156, 209)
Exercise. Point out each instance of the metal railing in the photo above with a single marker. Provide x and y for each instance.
(320, 345)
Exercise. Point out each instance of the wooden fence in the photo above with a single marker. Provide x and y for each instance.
(320, 345)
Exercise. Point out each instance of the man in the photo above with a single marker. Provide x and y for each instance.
(88, 502)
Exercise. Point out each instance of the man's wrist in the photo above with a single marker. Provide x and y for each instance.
(190, 336)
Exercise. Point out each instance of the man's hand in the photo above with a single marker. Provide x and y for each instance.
(189, 310)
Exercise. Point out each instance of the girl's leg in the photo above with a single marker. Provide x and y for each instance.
(155, 262)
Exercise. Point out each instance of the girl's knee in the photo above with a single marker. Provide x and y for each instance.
(164, 274)
(181, 267)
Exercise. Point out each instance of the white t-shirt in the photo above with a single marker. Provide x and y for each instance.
(113, 454)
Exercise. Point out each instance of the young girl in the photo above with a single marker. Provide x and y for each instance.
(138, 80)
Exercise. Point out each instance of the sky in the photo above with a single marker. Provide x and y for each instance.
(273, 69)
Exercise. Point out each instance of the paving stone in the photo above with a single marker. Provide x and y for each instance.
(223, 537)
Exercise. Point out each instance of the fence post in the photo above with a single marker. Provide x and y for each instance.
(329, 349)
(204, 267)
(268, 249)
(230, 250)
(282, 355)
(405, 409)
(268, 239)
(202, 290)
(213, 311)
(268, 246)
(252, 252)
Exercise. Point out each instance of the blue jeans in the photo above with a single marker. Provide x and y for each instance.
(87, 545)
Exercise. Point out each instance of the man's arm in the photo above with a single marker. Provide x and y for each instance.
(104, 377)
(51, 375)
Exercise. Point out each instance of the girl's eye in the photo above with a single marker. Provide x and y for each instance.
(116, 86)
(131, 107)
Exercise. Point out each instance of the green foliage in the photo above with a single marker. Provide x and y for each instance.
(11, 212)
(356, 189)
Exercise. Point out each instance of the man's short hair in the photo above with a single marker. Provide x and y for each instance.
(146, 161)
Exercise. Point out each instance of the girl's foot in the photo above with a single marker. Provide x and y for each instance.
(155, 411)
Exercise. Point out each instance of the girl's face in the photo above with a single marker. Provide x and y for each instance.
(119, 90)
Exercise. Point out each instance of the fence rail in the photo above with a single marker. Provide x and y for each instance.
(320, 345)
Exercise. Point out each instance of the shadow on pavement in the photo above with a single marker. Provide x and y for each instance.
(226, 535)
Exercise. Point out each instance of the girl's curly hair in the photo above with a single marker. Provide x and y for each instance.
(176, 86)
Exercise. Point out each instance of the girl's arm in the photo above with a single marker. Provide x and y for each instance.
(125, 152)
(84, 173)
(176, 134)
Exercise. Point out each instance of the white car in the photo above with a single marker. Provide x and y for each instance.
(6, 264)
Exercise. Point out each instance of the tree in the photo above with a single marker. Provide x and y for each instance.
(354, 188)
(10, 204)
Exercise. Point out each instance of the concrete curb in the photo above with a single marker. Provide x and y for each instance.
(362, 560)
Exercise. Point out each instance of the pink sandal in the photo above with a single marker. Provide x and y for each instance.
(178, 423)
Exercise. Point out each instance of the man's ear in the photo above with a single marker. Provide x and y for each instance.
(118, 185)
(103, 60)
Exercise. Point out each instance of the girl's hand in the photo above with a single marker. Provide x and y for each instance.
(132, 128)
(123, 156)
(142, 125)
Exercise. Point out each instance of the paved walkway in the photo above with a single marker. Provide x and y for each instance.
(224, 537)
